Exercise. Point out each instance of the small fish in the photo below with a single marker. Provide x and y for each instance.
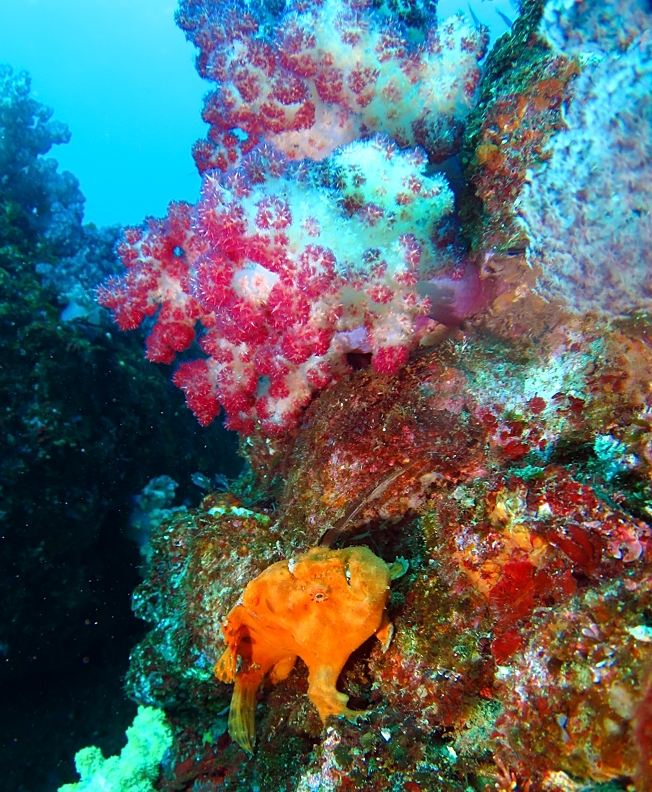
(475, 19)
(331, 534)
(505, 18)
(201, 481)
(221, 482)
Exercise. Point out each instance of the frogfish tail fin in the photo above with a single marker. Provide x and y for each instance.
(241, 714)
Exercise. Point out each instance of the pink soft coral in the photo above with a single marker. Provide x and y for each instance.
(326, 72)
(288, 267)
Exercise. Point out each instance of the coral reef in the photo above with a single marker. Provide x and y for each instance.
(580, 237)
(152, 505)
(526, 596)
(218, 551)
(478, 404)
(287, 275)
(316, 75)
(81, 257)
(71, 460)
(77, 257)
(575, 27)
(520, 106)
(591, 659)
(79, 409)
(27, 133)
(538, 126)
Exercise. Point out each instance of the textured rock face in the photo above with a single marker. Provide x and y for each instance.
(581, 237)
(515, 480)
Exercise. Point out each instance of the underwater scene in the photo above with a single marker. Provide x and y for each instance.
(338, 474)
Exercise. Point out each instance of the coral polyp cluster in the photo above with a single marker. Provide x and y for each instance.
(288, 267)
(323, 73)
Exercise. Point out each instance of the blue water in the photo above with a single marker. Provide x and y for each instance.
(121, 75)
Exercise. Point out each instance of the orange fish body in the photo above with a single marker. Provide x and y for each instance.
(319, 606)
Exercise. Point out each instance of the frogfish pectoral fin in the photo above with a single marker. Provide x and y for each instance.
(398, 568)
(384, 633)
(326, 697)
(282, 669)
(224, 669)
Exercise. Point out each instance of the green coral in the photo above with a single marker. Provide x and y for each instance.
(137, 767)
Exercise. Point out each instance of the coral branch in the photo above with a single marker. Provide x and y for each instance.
(325, 73)
(288, 268)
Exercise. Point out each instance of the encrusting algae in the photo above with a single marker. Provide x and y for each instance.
(319, 606)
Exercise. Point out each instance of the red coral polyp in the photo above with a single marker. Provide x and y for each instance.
(280, 281)
(324, 73)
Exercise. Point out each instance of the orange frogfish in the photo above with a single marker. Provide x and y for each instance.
(319, 606)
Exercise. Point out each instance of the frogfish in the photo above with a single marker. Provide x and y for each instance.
(319, 606)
